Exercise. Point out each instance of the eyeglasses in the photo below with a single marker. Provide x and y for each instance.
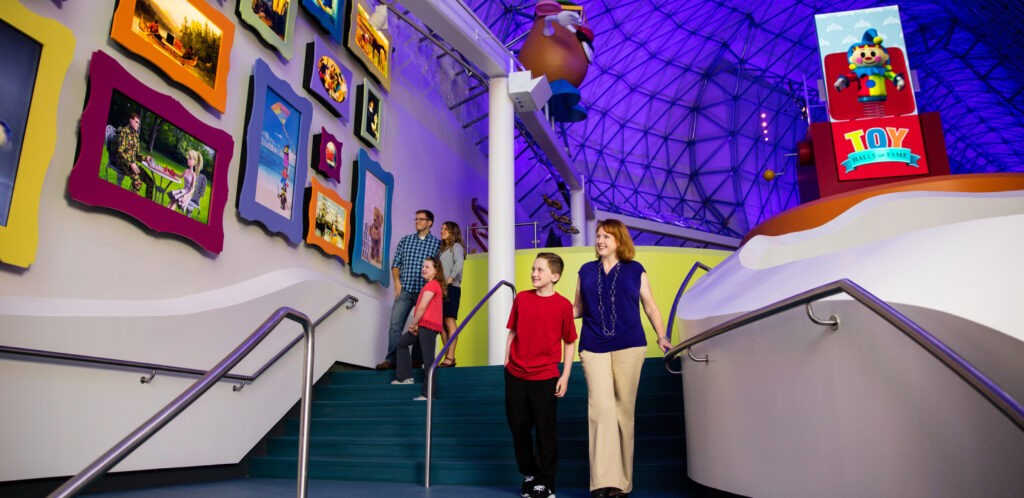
(421, 219)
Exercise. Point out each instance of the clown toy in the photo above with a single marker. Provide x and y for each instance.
(869, 67)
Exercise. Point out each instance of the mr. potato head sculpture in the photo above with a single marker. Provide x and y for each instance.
(559, 46)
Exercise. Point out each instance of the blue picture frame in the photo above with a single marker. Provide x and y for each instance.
(275, 162)
(371, 224)
(329, 15)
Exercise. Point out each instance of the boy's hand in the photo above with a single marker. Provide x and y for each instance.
(561, 386)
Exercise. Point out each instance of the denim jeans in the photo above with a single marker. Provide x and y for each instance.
(399, 315)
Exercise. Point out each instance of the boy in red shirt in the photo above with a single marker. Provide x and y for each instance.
(541, 332)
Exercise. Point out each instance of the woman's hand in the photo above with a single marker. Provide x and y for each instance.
(664, 344)
(414, 329)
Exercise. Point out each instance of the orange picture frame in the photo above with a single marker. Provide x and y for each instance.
(197, 54)
(328, 215)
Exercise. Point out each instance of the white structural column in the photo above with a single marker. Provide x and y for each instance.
(578, 211)
(501, 248)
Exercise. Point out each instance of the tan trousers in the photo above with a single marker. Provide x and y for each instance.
(612, 381)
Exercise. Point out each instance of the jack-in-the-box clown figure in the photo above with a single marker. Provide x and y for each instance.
(869, 67)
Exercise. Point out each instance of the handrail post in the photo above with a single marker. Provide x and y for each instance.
(671, 325)
(307, 403)
(433, 369)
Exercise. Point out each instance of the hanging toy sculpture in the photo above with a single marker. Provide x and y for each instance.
(869, 68)
(560, 46)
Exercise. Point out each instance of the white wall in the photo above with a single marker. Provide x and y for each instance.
(103, 285)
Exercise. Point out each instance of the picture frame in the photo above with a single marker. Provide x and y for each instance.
(371, 246)
(103, 172)
(369, 125)
(272, 20)
(327, 79)
(275, 163)
(328, 158)
(190, 54)
(38, 52)
(370, 46)
(329, 226)
(329, 14)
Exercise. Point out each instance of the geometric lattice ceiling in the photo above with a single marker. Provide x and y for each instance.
(678, 89)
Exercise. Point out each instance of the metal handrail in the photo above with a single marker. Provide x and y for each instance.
(1002, 400)
(433, 368)
(141, 434)
(156, 367)
(679, 294)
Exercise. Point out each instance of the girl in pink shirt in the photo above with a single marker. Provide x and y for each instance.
(426, 324)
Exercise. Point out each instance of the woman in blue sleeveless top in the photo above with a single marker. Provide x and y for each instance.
(609, 294)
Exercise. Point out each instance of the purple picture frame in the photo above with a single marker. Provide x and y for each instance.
(272, 191)
(328, 159)
(317, 79)
(85, 184)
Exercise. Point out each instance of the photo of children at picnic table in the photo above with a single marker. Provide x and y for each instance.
(145, 154)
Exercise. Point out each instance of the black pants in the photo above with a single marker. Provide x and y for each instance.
(426, 338)
(531, 406)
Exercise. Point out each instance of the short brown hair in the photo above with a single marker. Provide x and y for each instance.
(555, 263)
(619, 232)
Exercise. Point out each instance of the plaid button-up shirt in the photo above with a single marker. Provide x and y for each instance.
(409, 256)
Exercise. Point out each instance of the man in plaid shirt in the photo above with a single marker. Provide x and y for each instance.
(405, 268)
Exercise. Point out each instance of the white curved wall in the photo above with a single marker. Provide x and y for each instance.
(787, 408)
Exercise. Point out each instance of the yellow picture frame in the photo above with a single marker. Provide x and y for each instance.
(19, 237)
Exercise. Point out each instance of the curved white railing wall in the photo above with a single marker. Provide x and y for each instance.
(788, 408)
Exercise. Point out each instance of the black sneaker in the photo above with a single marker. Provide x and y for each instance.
(541, 491)
(527, 486)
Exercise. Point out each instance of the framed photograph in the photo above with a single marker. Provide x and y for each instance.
(371, 249)
(143, 154)
(189, 40)
(37, 52)
(328, 160)
(369, 115)
(328, 221)
(327, 79)
(272, 20)
(276, 137)
(370, 46)
(326, 12)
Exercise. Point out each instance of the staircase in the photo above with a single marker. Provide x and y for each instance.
(364, 429)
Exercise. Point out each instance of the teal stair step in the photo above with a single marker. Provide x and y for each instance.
(412, 425)
(457, 403)
(365, 429)
(493, 447)
(661, 474)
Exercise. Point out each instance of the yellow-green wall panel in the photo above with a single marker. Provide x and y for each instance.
(666, 268)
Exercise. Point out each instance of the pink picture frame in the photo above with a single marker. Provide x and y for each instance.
(168, 201)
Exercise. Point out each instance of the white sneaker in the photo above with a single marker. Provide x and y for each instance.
(420, 398)
(398, 382)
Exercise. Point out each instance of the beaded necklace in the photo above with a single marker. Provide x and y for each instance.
(605, 329)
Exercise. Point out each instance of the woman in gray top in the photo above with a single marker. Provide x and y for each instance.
(452, 255)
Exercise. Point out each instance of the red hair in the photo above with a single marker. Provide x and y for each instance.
(619, 232)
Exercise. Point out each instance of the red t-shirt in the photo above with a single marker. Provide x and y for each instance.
(432, 318)
(541, 324)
